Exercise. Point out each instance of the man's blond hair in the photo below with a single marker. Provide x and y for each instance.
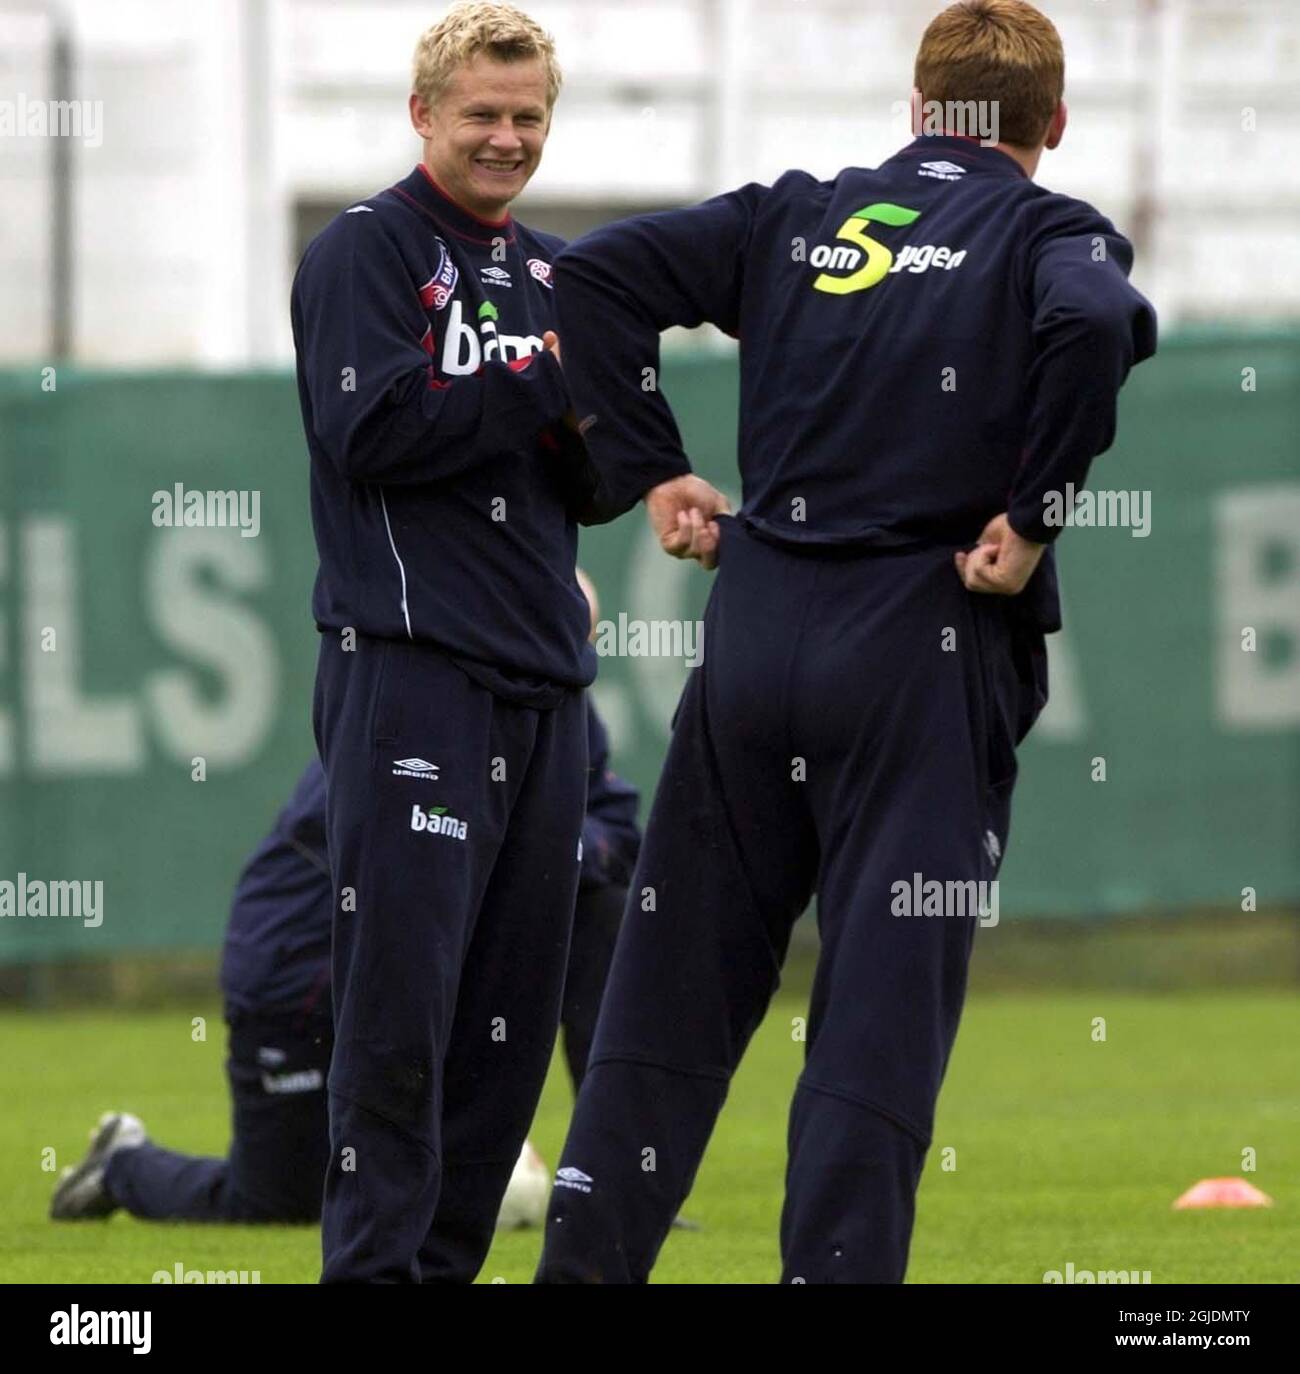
(477, 26)
(1002, 51)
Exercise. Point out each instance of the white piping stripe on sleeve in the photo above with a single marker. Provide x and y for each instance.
(406, 615)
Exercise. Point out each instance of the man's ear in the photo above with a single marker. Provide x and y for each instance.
(918, 113)
(421, 117)
(1056, 129)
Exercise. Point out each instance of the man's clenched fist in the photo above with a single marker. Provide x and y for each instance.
(682, 516)
(1001, 563)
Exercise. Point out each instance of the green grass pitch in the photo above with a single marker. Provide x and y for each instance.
(1068, 1149)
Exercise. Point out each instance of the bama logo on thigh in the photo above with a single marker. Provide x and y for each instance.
(434, 820)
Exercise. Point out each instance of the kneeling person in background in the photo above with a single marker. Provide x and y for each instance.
(275, 981)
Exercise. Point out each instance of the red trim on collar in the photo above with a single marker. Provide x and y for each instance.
(478, 219)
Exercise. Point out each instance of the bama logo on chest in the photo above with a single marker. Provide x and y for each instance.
(466, 348)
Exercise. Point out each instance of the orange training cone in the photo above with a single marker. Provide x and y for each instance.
(1223, 1192)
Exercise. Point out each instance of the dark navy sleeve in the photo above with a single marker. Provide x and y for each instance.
(303, 820)
(616, 289)
(362, 335)
(611, 838)
(276, 956)
(1090, 326)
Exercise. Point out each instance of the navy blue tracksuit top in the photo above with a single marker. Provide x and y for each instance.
(923, 346)
(438, 495)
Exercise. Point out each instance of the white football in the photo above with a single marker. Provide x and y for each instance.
(530, 1185)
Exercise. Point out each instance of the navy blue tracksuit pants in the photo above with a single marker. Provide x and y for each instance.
(853, 723)
(277, 1067)
(454, 890)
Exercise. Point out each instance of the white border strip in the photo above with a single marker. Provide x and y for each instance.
(406, 615)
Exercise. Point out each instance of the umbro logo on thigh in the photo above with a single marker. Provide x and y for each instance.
(436, 821)
(415, 768)
(569, 1177)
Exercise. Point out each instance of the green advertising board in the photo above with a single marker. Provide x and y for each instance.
(155, 679)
